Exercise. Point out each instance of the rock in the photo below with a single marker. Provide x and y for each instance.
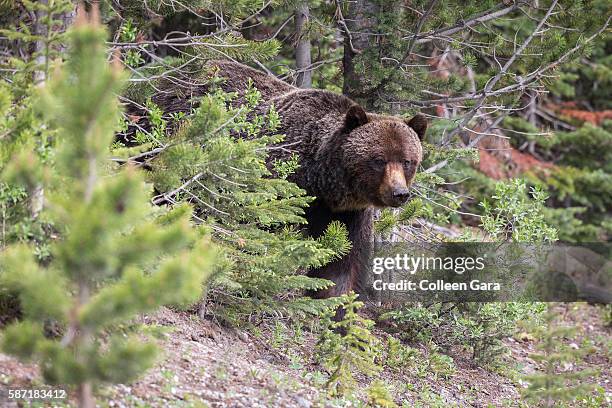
(243, 336)
(303, 402)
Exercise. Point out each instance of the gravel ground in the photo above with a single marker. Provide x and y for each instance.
(203, 365)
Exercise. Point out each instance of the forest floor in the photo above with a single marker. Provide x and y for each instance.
(204, 365)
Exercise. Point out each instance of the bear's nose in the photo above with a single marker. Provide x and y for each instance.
(401, 194)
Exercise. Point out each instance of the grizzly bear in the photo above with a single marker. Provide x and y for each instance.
(352, 161)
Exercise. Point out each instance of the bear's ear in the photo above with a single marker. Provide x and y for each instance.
(419, 124)
(355, 117)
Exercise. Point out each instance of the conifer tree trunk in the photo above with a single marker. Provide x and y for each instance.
(83, 341)
(85, 396)
(359, 24)
(302, 49)
(39, 76)
(368, 43)
(40, 47)
(83, 338)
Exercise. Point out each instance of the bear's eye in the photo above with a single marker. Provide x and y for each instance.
(378, 163)
(408, 163)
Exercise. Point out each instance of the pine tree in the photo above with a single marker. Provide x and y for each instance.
(116, 255)
(379, 395)
(253, 216)
(348, 347)
(37, 29)
(302, 49)
(578, 147)
(214, 157)
(555, 384)
(458, 60)
(33, 36)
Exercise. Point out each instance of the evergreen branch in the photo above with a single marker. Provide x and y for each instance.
(494, 80)
(489, 86)
(311, 67)
(204, 203)
(565, 56)
(524, 81)
(408, 52)
(185, 40)
(160, 199)
(424, 197)
(472, 143)
(345, 28)
(135, 158)
(483, 17)
(528, 79)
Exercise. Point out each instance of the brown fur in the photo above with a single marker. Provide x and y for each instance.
(394, 177)
(237, 77)
(338, 163)
(350, 160)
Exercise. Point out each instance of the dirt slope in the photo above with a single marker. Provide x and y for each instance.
(203, 365)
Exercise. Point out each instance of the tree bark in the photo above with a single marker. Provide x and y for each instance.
(359, 24)
(302, 49)
(82, 341)
(85, 396)
(37, 200)
(40, 47)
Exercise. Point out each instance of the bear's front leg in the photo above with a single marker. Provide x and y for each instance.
(347, 271)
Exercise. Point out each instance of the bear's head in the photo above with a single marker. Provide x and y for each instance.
(381, 155)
